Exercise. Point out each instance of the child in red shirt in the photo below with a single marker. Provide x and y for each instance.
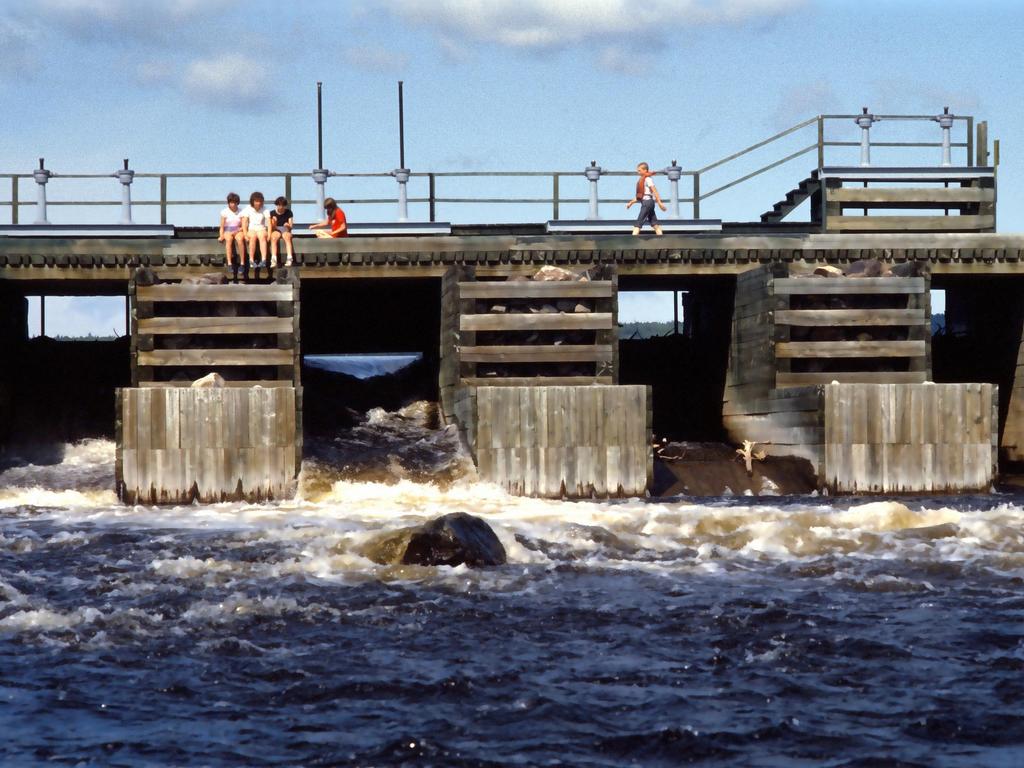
(335, 223)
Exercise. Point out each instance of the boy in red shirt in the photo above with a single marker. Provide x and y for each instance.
(647, 195)
(334, 223)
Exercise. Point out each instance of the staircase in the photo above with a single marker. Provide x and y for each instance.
(794, 198)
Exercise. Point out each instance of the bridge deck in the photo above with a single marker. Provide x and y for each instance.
(97, 259)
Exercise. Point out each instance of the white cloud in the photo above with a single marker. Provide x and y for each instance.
(536, 24)
(232, 80)
(375, 59)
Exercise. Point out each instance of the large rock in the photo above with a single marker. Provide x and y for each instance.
(908, 269)
(209, 381)
(865, 268)
(827, 270)
(449, 540)
(555, 273)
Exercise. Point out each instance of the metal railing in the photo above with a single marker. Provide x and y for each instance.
(695, 195)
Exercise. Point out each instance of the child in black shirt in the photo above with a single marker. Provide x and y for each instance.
(281, 221)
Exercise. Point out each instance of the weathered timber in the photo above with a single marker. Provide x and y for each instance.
(845, 285)
(847, 349)
(850, 317)
(965, 223)
(909, 438)
(182, 445)
(537, 289)
(239, 292)
(522, 353)
(215, 325)
(215, 357)
(593, 321)
(573, 442)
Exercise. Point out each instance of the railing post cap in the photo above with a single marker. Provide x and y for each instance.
(124, 175)
(673, 172)
(41, 175)
(593, 171)
(320, 175)
(401, 175)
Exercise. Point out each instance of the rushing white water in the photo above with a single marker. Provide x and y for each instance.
(332, 518)
(738, 631)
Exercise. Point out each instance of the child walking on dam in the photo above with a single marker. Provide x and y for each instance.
(647, 195)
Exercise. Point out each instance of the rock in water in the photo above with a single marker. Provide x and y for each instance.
(210, 380)
(449, 540)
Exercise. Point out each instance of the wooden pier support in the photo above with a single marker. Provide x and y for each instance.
(838, 371)
(527, 373)
(182, 445)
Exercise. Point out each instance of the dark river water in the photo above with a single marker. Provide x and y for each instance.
(733, 631)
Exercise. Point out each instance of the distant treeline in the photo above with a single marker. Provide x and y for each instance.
(645, 330)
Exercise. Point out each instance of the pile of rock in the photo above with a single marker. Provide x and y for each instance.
(540, 337)
(864, 268)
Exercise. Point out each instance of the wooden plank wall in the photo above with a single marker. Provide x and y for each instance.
(817, 319)
(593, 358)
(448, 371)
(565, 441)
(181, 445)
(910, 438)
(972, 205)
(178, 327)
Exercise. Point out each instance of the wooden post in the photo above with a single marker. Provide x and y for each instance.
(696, 195)
(982, 144)
(554, 196)
(163, 198)
(431, 194)
(288, 187)
(14, 199)
(970, 140)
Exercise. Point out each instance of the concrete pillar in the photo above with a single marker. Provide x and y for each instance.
(320, 177)
(673, 172)
(865, 121)
(42, 176)
(593, 173)
(945, 121)
(402, 177)
(125, 176)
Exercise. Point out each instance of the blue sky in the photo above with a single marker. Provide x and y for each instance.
(199, 85)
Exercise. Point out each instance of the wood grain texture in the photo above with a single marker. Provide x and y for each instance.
(528, 289)
(537, 322)
(564, 441)
(183, 445)
(215, 325)
(215, 357)
(239, 292)
(848, 349)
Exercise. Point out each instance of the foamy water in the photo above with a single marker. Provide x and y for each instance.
(745, 631)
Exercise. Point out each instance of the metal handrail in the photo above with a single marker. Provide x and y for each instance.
(555, 199)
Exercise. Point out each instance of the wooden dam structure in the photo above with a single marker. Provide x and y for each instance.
(816, 337)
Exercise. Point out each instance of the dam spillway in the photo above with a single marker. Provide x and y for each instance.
(816, 366)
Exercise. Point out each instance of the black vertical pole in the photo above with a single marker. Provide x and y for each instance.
(319, 126)
(401, 128)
